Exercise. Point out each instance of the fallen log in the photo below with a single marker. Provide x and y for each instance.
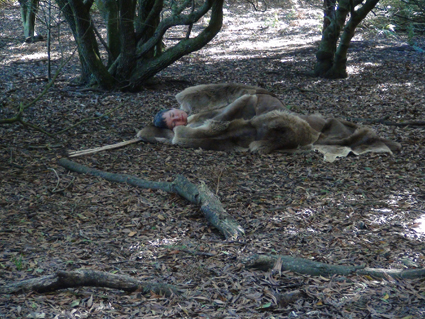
(88, 278)
(211, 206)
(314, 268)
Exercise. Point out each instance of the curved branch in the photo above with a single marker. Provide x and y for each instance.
(88, 278)
(185, 46)
(173, 21)
(314, 268)
(210, 204)
(156, 10)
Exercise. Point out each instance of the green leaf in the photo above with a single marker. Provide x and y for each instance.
(75, 303)
(265, 306)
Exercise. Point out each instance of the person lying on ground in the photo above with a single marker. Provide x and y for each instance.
(245, 107)
(258, 122)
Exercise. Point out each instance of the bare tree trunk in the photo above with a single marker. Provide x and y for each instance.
(330, 36)
(339, 67)
(29, 10)
(85, 74)
(147, 22)
(332, 61)
(328, 13)
(87, 44)
(109, 11)
(147, 69)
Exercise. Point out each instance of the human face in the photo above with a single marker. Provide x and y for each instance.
(175, 117)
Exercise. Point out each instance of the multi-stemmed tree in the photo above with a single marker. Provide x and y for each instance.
(332, 53)
(135, 29)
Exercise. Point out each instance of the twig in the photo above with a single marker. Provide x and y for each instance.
(57, 176)
(103, 148)
(218, 180)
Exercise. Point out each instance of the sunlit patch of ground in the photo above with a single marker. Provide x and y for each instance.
(419, 225)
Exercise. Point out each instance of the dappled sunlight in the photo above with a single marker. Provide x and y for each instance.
(151, 248)
(419, 225)
(28, 57)
(391, 213)
(358, 68)
(275, 30)
(163, 242)
(359, 210)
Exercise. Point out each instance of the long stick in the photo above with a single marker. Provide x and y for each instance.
(103, 148)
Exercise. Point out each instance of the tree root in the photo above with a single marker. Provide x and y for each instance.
(210, 205)
(314, 268)
(90, 278)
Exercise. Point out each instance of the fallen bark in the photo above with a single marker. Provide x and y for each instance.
(314, 268)
(210, 205)
(88, 278)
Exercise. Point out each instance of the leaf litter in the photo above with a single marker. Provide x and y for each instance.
(357, 210)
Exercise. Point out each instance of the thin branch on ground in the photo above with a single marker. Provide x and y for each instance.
(314, 268)
(87, 278)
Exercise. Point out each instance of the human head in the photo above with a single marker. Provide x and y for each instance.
(170, 118)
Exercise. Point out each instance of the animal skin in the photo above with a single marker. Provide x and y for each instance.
(263, 133)
(206, 97)
(245, 107)
(239, 117)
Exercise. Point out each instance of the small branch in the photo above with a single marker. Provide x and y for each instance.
(88, 278)
(251, 2)
(210, 204)
(99, 36)
(35, 128)
(314, 268)
(103, 148)
(189, 29)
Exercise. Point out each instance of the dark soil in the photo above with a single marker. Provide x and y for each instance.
(357, 210)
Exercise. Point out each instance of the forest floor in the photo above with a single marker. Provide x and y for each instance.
(366, 210)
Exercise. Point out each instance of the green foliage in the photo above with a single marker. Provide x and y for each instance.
(18, 261)
(406, 15)
(272, 21)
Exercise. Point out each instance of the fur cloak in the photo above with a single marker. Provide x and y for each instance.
(259, 122)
